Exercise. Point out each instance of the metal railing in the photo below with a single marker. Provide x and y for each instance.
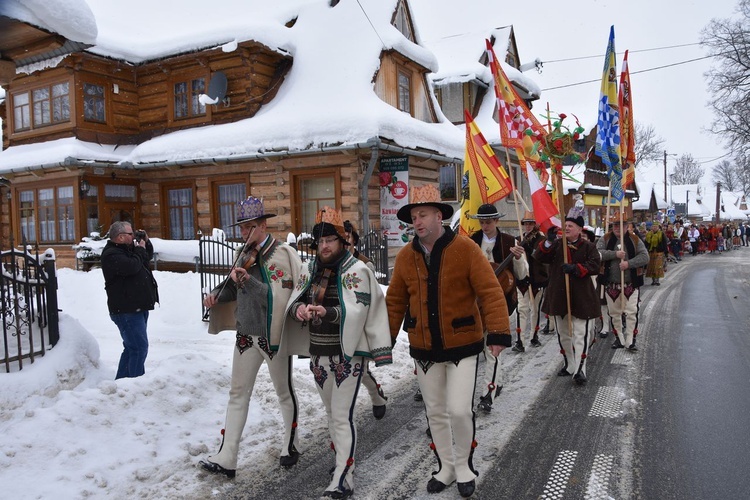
(28, 294)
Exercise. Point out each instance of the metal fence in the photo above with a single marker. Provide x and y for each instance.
(215, 258)
(28, 294)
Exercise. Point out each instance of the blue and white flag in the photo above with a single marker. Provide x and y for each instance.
(608, 124)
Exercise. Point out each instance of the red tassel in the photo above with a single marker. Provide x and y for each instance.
(222, 432)
(294, 425)
(332, 446)
(432, 446)
(350, 462)
(474, 444)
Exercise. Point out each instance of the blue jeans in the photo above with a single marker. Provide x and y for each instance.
(132, 328)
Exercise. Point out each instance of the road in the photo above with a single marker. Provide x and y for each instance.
(667, 422)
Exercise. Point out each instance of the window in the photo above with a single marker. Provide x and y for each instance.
(41, 106)
(312, 191)
(228, 196)
(94, 103)
(91, 199)
(404, 91)
(181, 214)
(448, 181)
(47, 215)
(118, 193)
(402, 22)
(186, 94)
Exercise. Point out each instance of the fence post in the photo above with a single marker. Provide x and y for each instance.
(53, 318)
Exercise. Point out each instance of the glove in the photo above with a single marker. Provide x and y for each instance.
(552, 234)
(570, 269)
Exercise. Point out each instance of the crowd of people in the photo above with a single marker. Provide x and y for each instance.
(459, 300)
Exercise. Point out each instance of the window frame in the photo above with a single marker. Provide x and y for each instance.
(187, 77)
(166, 210)
(108, 124)
(401, 70)
(216, 202)
(54, 209)
(296, 192)
(28, 88)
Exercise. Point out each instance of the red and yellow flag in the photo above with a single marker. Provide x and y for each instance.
(627, 127)
(484, 179)
(513, 114)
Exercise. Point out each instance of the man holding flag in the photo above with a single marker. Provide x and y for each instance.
(485, 181)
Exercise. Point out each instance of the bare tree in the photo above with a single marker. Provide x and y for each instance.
(728, 41)
(648, 145)
(742, 170)
(686, 171)
(725, 173)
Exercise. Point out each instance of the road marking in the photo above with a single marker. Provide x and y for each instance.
(607, 403)
(622, 357)
(560, 475)
(599, 478)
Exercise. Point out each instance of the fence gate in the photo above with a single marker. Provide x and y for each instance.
(215, 260)
(28, 294)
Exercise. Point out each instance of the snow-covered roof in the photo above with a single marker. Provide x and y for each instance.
(72, 19)
(729, 211)
(459, 59)
(646, 190)
(326, 99)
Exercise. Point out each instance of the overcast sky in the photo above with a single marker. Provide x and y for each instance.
(672, 99)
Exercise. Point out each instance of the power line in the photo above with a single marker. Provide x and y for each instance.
(369, 21)
(631, 51)
(632, 73)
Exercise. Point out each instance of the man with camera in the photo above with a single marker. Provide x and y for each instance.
(131, 293)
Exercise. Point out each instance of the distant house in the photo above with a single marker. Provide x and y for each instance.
(168, 119)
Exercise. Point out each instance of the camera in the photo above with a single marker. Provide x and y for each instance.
(139, 235)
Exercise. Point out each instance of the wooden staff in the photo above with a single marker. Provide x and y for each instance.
(556, 180)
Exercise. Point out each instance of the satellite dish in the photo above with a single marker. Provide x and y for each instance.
(217, 87)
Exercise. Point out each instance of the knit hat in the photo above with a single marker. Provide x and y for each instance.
(486, 211)
(427, 195)
(327, 223)
(251, 209)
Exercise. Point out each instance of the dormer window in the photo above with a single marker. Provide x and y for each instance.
(402, 21)
(404, 91)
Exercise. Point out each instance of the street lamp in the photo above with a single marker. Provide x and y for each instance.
(665, 172)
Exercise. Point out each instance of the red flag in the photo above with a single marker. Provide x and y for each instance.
(513, 115)
(627, 126)
(545, 212)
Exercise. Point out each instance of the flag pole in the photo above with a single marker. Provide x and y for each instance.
(557, 183)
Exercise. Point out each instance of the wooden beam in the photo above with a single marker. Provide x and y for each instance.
(7, 72)
(41, 46)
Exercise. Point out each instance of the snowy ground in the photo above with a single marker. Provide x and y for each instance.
(69, 430)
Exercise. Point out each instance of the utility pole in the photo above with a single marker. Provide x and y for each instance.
(718, 202)
(665, 175)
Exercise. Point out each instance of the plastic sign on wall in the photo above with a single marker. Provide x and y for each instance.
(394, 194)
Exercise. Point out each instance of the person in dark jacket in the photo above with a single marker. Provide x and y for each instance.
(131, 293)
(574, 330)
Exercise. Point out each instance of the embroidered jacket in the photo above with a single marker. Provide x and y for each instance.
(363, 325)
(438, 303)
(279, 266)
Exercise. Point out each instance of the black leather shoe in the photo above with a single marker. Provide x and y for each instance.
(563, 373)
(485, 404)
(466, 489)
(289, 460)
(535, 342)
(632, 347)
(217, 469)
(338, 493)
(435, 486)
(378, 412)
(603, 334)
(580, 378)
(617, 344)
(418, 395)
